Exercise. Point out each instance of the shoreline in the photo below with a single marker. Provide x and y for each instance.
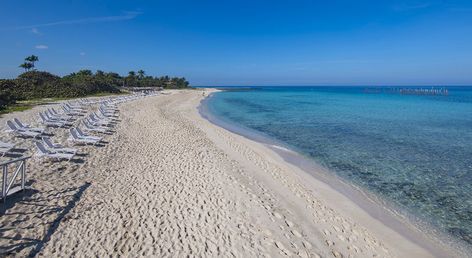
(410, 227)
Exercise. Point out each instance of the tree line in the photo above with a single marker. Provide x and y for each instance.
(33, 84)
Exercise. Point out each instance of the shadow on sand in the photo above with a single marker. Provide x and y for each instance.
(75, 193)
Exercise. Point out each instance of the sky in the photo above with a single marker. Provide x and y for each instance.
(239, 42)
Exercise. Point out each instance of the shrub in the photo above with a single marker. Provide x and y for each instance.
(6, 98)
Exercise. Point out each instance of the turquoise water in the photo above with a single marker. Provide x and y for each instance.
(414, 151)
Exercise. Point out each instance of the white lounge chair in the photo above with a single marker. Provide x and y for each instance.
(105, 113)
(108, 108)
(57, 147)
(97, 121)
(74, 108)
(70, 112)
(52, 113)
(74, 137)
(22, 126)
(41, 151)
(90, 128)
(104, 118)
(6, 147)
(58, 118)
(50, 123)
(81, 134)
(18, 132)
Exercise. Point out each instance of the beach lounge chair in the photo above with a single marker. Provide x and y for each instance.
(59, 117)
(75, 138)
(81, 134)
(73, 110)
(63, 118)
(96, 121)
(91, 128)
(70, 112)
(6, 147)
(50, 123)
(106, 116)
(103, 118)
(76, 108)
(41, 151)
(22, 126)
(106, 113)
(57, 147)
(18, 132)
(55, 115)
(109, 108)
(93, 123)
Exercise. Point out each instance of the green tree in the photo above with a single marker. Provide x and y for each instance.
(27, 66)
(141, 74)
(99, 73)
(85, 72)
(32, 59)
(130, 80)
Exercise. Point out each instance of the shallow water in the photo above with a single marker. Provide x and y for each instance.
(414, 151)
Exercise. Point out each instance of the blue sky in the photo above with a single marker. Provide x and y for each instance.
(242, 42)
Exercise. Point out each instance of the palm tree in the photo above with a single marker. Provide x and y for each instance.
(141, 74)
(27, 66)
(130, 80)
(32, 59)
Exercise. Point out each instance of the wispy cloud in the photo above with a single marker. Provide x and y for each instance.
(82, 53)
(412, 6)
(41, 47)
(36, 31)
(124, 17)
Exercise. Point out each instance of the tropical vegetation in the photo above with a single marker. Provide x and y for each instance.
(34, 84)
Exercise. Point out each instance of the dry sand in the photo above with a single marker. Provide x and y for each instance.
(170, 183)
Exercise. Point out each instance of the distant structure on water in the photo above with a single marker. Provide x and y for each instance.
(408, 91)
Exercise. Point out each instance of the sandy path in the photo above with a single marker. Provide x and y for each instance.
(169, 183)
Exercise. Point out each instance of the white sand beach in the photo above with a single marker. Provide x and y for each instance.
(168, 182)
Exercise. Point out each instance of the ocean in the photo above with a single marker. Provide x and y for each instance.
(407, 146)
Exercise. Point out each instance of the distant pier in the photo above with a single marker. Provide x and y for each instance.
(409, 91)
